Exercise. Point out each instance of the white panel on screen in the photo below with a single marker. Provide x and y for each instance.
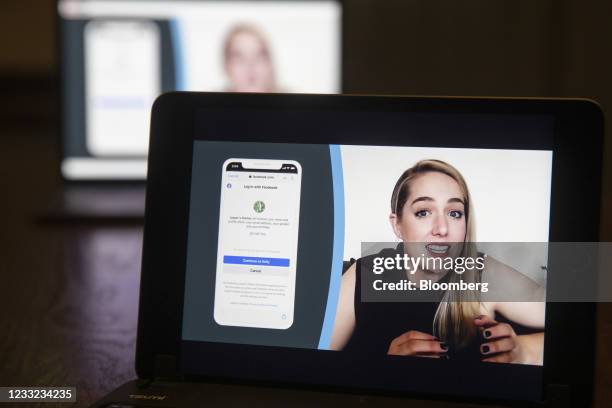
(303, 38)
(510, 191)
(122, 79)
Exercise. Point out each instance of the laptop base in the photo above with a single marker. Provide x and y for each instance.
(139, 393)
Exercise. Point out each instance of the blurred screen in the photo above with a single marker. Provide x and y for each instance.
(117, 57)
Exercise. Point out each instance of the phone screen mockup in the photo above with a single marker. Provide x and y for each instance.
(258, 242)
(122, 79)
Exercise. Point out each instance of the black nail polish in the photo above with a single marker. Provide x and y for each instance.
(443, 346)
(485, 349)
(487, 333)
(446, 357)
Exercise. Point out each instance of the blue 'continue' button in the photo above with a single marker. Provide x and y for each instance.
(253, 260)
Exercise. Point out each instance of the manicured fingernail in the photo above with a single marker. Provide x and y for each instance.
(485, 349)
(443, 346)
(487, 333)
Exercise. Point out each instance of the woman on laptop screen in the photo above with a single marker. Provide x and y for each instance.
(432, 214)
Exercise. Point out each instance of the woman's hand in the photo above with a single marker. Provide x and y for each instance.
(415, 343)
(505, 346)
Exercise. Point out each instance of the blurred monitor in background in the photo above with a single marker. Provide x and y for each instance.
(118, 56)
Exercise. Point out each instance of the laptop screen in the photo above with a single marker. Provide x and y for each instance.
(118, 56)
(386, 260)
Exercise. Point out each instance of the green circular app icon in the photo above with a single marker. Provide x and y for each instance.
(259, 206)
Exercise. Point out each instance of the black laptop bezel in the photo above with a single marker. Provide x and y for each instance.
(578, 130)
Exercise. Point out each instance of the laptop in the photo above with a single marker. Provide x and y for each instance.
(317, 250)
(118, 56)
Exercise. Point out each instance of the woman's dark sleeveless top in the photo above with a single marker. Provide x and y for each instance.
(378, 323)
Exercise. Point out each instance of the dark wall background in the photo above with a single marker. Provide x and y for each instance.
(452, 48)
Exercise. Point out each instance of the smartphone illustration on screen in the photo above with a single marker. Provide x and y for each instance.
(122, 79)
(258, 242)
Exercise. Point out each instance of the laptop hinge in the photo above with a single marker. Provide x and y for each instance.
(166, 368)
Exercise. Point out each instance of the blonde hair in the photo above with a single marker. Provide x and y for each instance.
(453, 321)
(244, 28)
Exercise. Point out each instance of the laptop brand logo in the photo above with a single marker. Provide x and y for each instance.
(148, 397)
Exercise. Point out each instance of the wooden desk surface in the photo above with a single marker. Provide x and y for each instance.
(68, 295)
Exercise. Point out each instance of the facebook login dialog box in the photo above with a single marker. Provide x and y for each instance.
(257, 245)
